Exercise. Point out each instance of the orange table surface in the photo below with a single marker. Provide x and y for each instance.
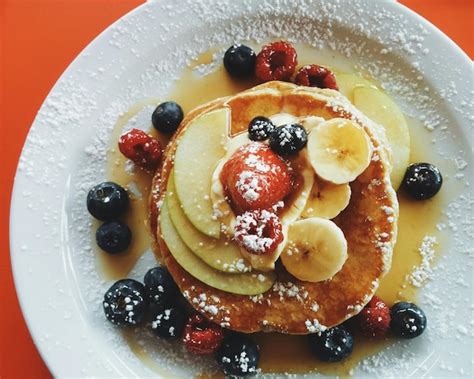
(38, 39)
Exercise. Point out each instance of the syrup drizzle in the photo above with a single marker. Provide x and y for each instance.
(417, 219)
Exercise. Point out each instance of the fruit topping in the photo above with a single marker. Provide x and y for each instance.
(113, 237)
(160, 286)
(408, 320)
(260, 128)
(332, 345)
(168, 322)
(374, 319)
(239, 61)
(125, 302)
(167, 116)
(276, 61)
(202, 336)
(238, 355)
(107, 201)
(288, 139)
(255, 178)
(200, 147)
(141, 148)
(339, 150)
(327, 200)
(422, 181)
(314, 75)
(258, 231)
(316, 249)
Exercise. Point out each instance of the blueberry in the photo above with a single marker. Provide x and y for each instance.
(260, 128)
(239, 61)
(107, 201)
(407, 320)
(167, 116)
(238, 355)
(332, 345)
(168, 322)
(422, 181)
(113, 237)
(160, 286)
(125, 303)
(288, 139)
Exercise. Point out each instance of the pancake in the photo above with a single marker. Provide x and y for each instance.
(369, 224)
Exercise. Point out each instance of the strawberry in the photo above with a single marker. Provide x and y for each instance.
(202, 336)
(141, 148)
(374, 319)
(255, 178)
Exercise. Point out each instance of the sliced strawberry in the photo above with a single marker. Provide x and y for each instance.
(255, 178)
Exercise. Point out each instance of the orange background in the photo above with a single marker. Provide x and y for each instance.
(38, 39)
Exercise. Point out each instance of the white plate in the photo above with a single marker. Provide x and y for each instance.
(58, 285)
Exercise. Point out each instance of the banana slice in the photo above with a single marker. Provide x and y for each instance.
(327, 200)
(316, 249)
(283, 119)
(311, 122)
(339, 150)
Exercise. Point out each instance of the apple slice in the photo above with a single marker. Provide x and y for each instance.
(348, 82)
(199, 148)
(380, 108)
(217, 253)
(250, 283)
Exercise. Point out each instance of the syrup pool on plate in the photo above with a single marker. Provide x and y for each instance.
(417, 219)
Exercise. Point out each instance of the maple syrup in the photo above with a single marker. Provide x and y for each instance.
(417, 219)
(119, 170)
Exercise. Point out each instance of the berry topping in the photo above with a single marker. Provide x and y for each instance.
(255, 178)
(374, 320)
(141, 148)
(288, 139)
(125, 303)
(408, 320)
(202, 336)
(260, 128)
(422, 181)
(332, 345)
(107, 201)
(259, 231)
(167, 116)
(276, 61)
(160, 286)
(314, 75)
(238, 355)
(168, 322)
(113, 237)
(239, 61)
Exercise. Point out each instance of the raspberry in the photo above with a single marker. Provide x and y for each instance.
(141, 148)
(258, 232)
(374, 319)
(316, 76)
(255, 178)
(202, 336)
(276, 61)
